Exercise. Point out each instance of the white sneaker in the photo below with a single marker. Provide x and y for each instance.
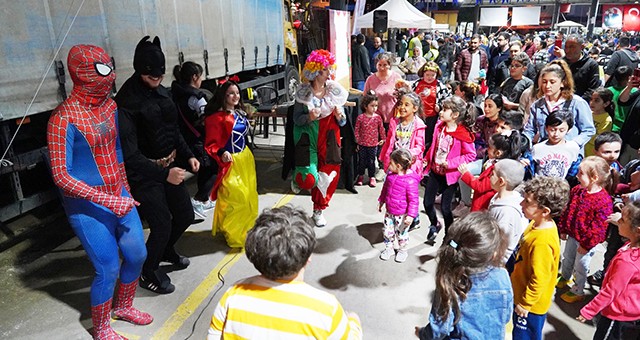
(319, 219)
(402, 255)
(208, 205)
(387, 253)
(198, 209)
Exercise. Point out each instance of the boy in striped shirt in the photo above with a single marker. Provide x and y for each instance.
(278, 304)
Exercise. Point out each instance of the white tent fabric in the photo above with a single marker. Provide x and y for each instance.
(401, 14)
(569, 23)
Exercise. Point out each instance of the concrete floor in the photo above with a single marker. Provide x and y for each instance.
(45, 286)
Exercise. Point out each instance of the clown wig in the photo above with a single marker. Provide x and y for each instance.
(316, 62)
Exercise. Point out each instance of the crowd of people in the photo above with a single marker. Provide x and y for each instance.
(539, 136)
(526, 134)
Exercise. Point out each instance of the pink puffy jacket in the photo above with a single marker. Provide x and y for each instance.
(400, 194)
(462, 151)
(416, 145)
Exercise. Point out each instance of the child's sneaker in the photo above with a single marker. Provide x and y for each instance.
(402, 255)
(387, 253)
(562, 282)
(596, 278)
(359, 180)
(433, 232)
(571, 297)
(372, 182)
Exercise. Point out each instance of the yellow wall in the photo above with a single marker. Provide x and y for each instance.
(450, 18)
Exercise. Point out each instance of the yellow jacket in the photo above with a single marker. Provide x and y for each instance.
(536, 269)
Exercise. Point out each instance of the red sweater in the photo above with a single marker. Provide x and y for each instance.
(585, 218)
(618, 297)
(482, 192)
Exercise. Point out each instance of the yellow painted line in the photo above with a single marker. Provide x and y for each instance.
(195, 299)
(204, 289)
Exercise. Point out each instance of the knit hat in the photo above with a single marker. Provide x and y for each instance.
(148, 58)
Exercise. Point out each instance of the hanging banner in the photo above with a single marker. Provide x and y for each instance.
(612, 16)
(521, 16)
(340, 45)
(358, 11)
(494, 16)
(631, 21)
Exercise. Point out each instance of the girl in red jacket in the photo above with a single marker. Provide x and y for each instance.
(400, 194)
(501, 145)
(617, 300)
(584, 223)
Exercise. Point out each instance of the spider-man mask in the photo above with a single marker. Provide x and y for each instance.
(92, 72)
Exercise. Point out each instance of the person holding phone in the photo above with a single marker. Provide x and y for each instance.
(585, 71)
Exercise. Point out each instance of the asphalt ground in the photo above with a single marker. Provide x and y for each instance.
(44, 287)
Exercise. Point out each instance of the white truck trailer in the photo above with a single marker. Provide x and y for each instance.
(251, 38)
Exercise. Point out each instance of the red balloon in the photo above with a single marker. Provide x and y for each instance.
(297, 24)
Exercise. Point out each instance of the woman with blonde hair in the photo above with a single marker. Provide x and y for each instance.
(556, 92)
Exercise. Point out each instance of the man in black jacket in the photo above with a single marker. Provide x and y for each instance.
(624, 56)
(360, 68)
(585, 70)
(151, 142)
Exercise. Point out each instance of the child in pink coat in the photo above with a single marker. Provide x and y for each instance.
(406, 131)
(452, 145)
(617, 302)
(400, 194)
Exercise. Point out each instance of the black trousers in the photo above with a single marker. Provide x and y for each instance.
(608, 329)
(438, 184)
(168, 210)
(206, 178)
(614, 242)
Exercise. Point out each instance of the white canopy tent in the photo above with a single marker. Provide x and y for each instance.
(569, 23)
(401, 14)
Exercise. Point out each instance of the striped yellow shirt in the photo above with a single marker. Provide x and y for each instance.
(258, 308)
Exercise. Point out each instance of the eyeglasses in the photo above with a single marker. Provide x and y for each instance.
(515, 65)
(103, 69)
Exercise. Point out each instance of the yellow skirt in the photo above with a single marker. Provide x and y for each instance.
(237, 203)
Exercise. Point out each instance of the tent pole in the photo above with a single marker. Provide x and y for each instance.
(476, 22)
(391, 40)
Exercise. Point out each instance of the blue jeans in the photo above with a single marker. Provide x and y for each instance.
(359, 84)
(529, 328)
(576, 263)
(475, 168)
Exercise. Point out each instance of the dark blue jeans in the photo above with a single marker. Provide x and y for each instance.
(359, 84)
(529, 328)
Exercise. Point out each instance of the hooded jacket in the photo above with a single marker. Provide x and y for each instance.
(462, 150)
(482, 191)
(416, 145)
(508, 212)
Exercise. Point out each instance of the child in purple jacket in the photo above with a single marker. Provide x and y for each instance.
(400, 194)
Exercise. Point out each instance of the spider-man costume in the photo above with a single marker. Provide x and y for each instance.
(87, 166)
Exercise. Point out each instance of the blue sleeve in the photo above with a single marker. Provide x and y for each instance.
(584, 122)
(436, 329)
(635, 196)
(530, 125)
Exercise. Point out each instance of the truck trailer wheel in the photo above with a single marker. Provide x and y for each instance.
(292, 80)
